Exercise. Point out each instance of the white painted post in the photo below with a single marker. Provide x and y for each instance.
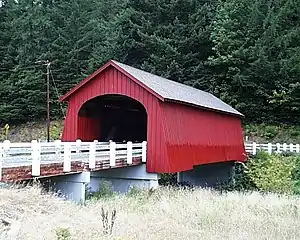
(254, 148)
(297, 148)
(278, 147)
(92, 155)
(291, 147)
(112, 154)
(1, 159)
(67, 157)
(36, 158)
(284, 147)
(57, 149)
(6, 146)
(270, 148)
(3, 149)
(129, 152)
(78, 143)
(144, 151)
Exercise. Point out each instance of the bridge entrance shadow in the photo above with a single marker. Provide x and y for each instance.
(112, 117)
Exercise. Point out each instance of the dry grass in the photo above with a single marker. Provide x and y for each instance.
(166, 214)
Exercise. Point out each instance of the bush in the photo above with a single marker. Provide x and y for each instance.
(63, 234)
(272, 173)
(296, 174)
(105, 190)
(270, 132)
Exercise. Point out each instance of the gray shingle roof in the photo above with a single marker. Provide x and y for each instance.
(171, 90)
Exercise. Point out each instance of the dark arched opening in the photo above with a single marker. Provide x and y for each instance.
(113, 117)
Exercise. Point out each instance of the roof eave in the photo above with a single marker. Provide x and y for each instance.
(240, 115)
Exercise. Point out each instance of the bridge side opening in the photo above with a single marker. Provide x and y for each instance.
(112, 117)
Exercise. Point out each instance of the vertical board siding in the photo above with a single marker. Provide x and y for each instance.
(88, 128)
(195, 136)
(179, 137)
(112, 81)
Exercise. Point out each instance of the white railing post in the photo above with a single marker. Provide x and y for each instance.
(78, 143)
(57, 149)
(129, 152)
(291, 147)
(92, 154)
(3, 149)
(112, 154)
(144, 151)
(278, 147)
(297, 148)
(36, 158)
(270, 148)
(254, 145)
(67, 157)
(1, 159)
(284, 147)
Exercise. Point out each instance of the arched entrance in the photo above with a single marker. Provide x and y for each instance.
(112, 117)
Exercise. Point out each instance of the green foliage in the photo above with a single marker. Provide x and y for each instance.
(63, 234)
(105, 190)
(168, 179)
(4, 132)
(274, 133)
(244, 51)
(272, 173)
(296, 174)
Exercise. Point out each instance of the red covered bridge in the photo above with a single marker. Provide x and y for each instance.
(183, 126)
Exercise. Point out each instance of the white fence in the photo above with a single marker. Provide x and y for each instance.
(253, 148)
(36, 153)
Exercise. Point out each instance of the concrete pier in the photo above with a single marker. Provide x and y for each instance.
(74, 186)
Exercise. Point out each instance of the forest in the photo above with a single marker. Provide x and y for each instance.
(246, 52)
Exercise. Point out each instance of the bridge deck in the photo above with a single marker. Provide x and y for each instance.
(22, 161)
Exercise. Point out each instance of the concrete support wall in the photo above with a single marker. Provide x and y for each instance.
(208, 175)
(73, 186)
(121, 179)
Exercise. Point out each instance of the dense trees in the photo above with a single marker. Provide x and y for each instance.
(244, 51)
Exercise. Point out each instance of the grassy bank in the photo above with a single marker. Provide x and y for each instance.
(165, 214)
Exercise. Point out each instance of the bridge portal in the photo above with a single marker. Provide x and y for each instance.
(113, 117)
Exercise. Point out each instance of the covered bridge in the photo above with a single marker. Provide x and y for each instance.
(183, 126)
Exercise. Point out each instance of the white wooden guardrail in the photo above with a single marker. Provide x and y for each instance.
(36, 153)
(254, 147)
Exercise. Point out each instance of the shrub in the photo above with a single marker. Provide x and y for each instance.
(296, 174)
(272, 173)
(270, 132)
(63, 234)
(105, 190)
(168, 179)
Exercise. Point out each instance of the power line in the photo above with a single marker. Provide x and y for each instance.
(56, 89)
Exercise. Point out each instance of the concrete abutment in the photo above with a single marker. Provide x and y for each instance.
(74, 186)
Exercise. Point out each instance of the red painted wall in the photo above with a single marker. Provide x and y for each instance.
(178, 136)
(111, 81)
(195, 136)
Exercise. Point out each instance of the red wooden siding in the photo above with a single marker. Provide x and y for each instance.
(112, 81)
(195, 136)
(179, 137)
(88, 129)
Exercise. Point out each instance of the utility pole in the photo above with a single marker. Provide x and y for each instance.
(48, 100)
(47, 63)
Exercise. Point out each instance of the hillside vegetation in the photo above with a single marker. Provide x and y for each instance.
(244, 51)
(163, 215)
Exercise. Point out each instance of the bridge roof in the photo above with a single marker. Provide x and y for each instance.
(165, 89)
